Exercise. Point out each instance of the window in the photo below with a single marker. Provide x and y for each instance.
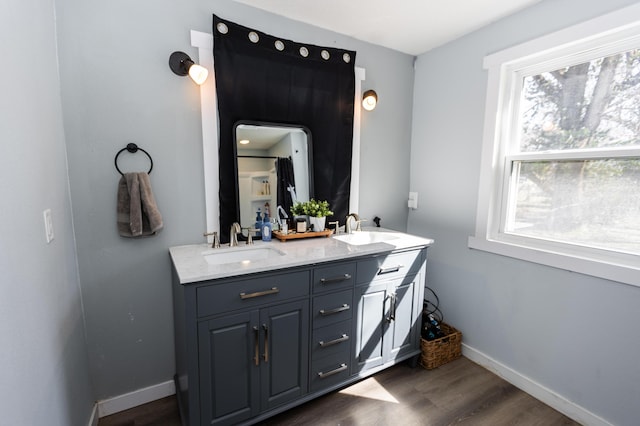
(560, 181)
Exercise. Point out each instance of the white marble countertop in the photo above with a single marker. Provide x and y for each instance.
(191, 265)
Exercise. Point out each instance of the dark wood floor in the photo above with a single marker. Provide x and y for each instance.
(460, 392)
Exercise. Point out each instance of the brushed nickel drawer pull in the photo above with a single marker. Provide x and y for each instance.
(340, 339)
(323, 375)
(344, 277)
(344, 307)
(273, 290)
(390, 269)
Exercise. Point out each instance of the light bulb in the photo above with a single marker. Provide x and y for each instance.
(369, 100)
(198, 73)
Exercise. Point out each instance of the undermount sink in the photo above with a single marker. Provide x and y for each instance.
(223, 256)
(359, 238)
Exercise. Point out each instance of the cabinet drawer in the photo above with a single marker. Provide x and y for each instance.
(329, 371)
(332, 308)
(330, 340)
(389, 266)
(240, 294)
(334, 277)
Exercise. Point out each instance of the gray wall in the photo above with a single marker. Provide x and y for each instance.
(574, 334)
(117, 88)
(45, 376)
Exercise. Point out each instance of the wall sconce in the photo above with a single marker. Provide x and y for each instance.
(181, 64)
(369, 100)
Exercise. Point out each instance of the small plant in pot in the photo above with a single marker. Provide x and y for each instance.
(316, 211)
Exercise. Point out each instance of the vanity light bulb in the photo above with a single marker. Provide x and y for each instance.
(244, 142)
(198, 73)
(369, 100)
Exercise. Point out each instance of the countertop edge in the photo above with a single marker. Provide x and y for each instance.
(190, 266)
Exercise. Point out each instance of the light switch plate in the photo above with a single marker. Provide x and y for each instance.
(48, 225)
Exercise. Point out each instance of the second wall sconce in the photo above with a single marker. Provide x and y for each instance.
(369, 100)
(181, 64)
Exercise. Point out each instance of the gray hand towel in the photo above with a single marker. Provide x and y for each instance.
(138, 214)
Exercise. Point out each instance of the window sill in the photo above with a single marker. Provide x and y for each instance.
(610, 270)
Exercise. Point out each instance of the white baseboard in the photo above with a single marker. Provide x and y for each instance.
(538, 391)
(581, 415)
(135, 398)
(93, 420)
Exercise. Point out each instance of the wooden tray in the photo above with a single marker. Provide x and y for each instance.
(296, 236)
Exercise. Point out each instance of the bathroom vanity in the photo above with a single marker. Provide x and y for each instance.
(260, 329)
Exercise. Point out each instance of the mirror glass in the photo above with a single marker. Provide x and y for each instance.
(273, 167)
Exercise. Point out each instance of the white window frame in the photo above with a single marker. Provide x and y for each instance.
(607, 34)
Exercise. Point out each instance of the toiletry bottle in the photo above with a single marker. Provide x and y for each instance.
(266, 228)
(301, 225)
(258, 224)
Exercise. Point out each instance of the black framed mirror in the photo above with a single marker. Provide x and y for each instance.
(273, 167)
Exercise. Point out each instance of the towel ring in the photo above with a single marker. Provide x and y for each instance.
(132, 148)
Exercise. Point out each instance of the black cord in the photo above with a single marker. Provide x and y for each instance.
(435, 311)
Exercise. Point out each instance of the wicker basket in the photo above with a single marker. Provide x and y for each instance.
(442, 350)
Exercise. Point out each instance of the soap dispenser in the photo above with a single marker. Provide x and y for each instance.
(258, 224)
(266, 228)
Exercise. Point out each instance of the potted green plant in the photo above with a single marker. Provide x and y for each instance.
(316, 211)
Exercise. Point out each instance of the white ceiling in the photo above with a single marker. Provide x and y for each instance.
(410, 26)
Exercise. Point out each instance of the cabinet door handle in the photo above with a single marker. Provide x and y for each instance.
(323, 375)
(340, 339)
(390, 269)
(273, 290)
(392, 308)
(344, 277)
(256, 349)
(266, 343)
(344, 307)
(395, 306)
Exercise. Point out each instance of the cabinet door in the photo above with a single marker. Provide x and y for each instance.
(387, 321)
(229, 366)
(285, 352)
(371, 312)
(402, 331)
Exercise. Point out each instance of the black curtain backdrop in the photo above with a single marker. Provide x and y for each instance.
(256, 81)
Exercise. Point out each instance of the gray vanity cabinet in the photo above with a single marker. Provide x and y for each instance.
(251, 346)
(389, 295)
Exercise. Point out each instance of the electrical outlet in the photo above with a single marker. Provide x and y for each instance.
(48, 225)
(413, 200)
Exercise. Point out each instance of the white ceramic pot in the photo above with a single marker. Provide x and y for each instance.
(318, 223)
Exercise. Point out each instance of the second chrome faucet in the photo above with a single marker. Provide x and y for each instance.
(353, 220)
(233, 234)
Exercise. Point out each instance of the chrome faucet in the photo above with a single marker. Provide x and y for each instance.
(233, 234)
(251, 231)
(347, 224)
(216, 241)
(336, 224)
